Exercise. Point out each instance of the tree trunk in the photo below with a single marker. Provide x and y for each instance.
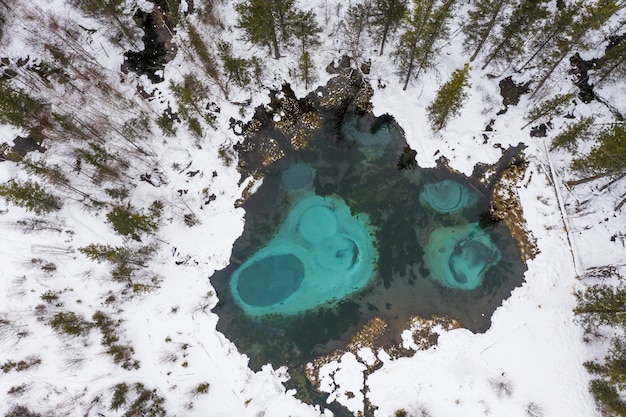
(275, 46)
(589, 179)
(606, 74)
(493, 54)
(409, 70)
(620, 204)
(491, 26)
(550, 71)
(382, 43)
(539, 49)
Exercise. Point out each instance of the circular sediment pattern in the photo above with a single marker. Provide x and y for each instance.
(458, 257)
(317, 223)
(320, 255)
(297, 177)
(448, 196)
(270, 280)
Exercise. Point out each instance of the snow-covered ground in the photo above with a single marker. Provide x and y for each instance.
(529, 363)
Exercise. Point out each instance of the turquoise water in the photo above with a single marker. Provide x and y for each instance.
(448, 196)
(459, 256)
(347, 230)
(320, 255)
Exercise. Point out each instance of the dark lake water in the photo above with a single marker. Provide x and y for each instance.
(366, 164)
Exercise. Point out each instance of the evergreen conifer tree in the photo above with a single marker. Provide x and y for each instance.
(551, 30)
(386, 17)
(592, 16)
(306, 30)
(605, 305)
(450, 98)
(426, 25)
(613, 64)
(306, 69)
(608, 156)
(602, 305)
(236, 69)
(572, 134)
(18, 108)
(267, 22)
(29, 195)
(94, 7)
(355, 23)
(481, 20)
(548, 108)
(513, 34)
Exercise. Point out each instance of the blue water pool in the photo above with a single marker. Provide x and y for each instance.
(459, 256)
(320, 255)
(448, 196)
(347, 229)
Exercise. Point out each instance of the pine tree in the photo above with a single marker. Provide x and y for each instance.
(572, 134)
(306, 30)
(602, 305)
(18, 108)
(267, 22)
(605, 305)
(236, 69)
(608, 156)
(551, 30)
(94, 7)
(386, 17)
(481, 20)
(426, 25)
(208, 61)
(450, 98)
(29, 195)
(355, 22)
(522, 21)
(592, 17)
(127, 221)
(548, 108)
(613, 64)
(306, 69)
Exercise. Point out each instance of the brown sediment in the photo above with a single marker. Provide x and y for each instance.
(375, 334)
(506, 205)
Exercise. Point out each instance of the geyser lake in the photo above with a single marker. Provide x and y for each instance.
(349, 228)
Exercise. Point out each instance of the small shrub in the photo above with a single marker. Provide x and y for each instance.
(226, 154)
(49, 267)
(49, 296)
(119, 396)
(137, 401)
(20, 366)
(122, 354)
(534, 410)
(120, 193)
(21, 411)
(166, 123)
(202, 388)
(126, 221)
(190, 219)
(502, 386)
(17, 390)
(69, 323)
(195, 127)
